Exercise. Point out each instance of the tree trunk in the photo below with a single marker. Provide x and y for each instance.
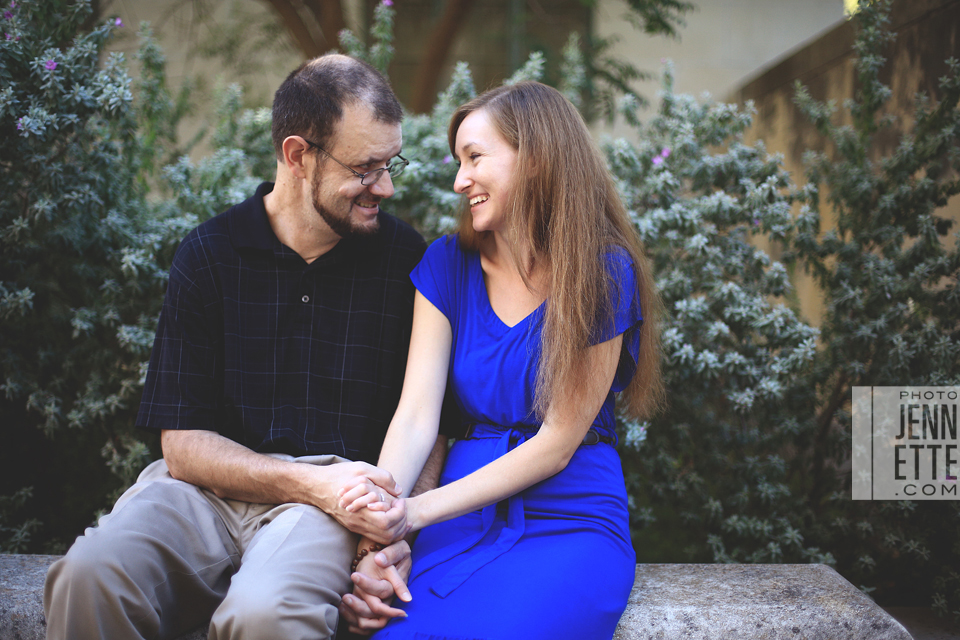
(425, 90)
(329, 17)
(315, 25)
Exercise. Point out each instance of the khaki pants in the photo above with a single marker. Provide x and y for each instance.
(171, 556)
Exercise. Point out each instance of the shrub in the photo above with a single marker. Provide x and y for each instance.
(77, 297)
(751, 461)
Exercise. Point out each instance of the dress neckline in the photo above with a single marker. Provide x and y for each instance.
(493, 318)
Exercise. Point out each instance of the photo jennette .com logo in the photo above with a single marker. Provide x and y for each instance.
(905, 444)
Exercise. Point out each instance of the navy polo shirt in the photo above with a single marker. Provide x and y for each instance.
(277, 354)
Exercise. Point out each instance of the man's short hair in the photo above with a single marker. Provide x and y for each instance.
(310, 102)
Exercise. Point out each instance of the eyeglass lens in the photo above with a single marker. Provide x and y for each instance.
(395, 169)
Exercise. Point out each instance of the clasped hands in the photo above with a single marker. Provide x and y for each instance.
(381, 575)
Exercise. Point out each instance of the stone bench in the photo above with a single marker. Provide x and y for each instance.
(669, 602)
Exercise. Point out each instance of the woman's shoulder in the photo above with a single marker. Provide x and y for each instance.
(446, 242)
(446, 249)
(619, 262)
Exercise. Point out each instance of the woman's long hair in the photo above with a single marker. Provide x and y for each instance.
(563, 217)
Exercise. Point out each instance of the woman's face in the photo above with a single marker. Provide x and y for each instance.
(487, 164)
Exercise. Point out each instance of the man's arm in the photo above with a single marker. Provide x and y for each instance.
(230, 470)
(430, 476)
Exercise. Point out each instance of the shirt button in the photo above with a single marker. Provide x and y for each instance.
(305, 298)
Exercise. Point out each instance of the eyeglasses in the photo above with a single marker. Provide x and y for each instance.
(395, 168)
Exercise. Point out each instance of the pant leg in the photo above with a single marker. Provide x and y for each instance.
(292, 576)
(155, 567)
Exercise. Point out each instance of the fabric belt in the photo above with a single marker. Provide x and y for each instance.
(593, 436)
(497, 534)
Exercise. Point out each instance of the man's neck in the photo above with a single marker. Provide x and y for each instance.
(294, 221)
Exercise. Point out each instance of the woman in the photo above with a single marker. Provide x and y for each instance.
(534, 310)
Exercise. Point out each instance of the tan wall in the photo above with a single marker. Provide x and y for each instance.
(723, 42)
(926, 34)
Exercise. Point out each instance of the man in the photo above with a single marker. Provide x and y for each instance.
(278, 360)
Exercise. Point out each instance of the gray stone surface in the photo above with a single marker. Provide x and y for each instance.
(21, 598)
(669, 602)
(761, 602)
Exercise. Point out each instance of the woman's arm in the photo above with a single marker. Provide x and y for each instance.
(542, 456)
(413, 430)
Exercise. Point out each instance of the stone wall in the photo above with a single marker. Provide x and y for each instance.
(926, 35)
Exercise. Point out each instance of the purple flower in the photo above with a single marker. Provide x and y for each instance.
(13, 4)
(387, 3)
(447, 159)
(20, 124)
(118, 22)
(50, 65)
(657, 160)
(7, 15)
(665, 153)
(9, 37)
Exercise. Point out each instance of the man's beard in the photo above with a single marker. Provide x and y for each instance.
(343, 226)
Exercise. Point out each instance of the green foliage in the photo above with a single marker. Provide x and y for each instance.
(658, 17)
(15, 532)
(79, 282)
(380, 52)
(714, 467)
(86, 253)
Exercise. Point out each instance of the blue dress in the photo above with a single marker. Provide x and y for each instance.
(555, 560)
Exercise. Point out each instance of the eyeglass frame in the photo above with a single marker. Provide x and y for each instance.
(390, 168)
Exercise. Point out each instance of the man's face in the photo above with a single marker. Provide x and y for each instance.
(363, 144)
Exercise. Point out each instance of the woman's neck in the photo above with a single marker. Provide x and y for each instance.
(502, 255)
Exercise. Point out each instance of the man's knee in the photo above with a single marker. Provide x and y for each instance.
(164, 548)
(251, 614)
(92, 565)
(88, 590)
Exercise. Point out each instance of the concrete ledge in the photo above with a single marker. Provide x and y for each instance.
(21, 598)
(669, 602)
(755, 601)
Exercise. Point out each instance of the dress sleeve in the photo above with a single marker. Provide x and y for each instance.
(436, 275)
(627, 315)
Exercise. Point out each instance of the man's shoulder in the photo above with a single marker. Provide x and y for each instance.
(400, 237)
(221, 231)
(204, 244)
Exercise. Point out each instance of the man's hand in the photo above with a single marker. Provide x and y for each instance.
(382, 525)
(378, 578)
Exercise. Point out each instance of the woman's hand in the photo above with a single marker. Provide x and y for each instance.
(361, 492)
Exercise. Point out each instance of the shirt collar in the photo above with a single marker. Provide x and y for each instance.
(250, 227)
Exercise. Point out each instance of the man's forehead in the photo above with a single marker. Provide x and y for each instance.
(359, 131)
